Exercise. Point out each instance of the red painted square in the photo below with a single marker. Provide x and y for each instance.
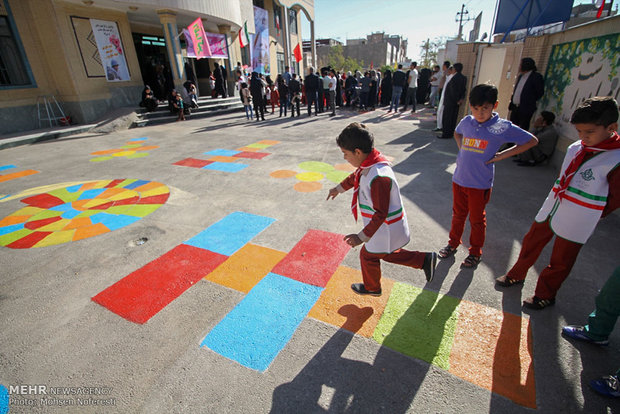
(43, 201)
(314, 259)
(30, 240)
(140, 295)
(254, 155)
(193, 162)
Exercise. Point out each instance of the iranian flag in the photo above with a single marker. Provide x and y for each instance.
(244, 37)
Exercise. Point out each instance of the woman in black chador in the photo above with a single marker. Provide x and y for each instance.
(386, 88)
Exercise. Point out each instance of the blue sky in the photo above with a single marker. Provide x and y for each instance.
(416, 20)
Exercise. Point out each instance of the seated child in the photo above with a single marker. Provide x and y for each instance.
(385, 229)
(547, 137)
(587, 189)
(479, 137)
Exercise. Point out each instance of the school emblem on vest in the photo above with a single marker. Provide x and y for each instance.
(587, 175)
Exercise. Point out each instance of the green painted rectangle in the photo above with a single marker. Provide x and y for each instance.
(419, 323)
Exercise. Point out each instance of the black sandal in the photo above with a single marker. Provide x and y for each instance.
(446, 252)
(471, 262)
(537, 303)
(507, 282)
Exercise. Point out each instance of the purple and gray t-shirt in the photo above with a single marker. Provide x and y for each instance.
(480, 143)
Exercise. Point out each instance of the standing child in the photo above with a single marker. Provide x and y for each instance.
(385, 229)
(247, 99)
(587, 189)
(479, 136)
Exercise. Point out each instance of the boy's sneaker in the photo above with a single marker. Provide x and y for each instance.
(608, 386)
(361, 290)
(430, 261)
(580, 334)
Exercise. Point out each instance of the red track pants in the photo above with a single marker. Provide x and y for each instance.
(470, 201)
(371, 264)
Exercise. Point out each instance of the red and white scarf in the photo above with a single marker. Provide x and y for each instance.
(373, 158)
(610, 143)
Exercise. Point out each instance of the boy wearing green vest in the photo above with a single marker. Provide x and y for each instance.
(385, 229)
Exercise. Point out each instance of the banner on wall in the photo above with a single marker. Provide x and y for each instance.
(110, 49)
(579, 70)
(219, 49)
(260, 45)
(198, 39)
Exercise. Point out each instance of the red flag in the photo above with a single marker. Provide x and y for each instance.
(278, 24)
(600, 10)
(297, 53)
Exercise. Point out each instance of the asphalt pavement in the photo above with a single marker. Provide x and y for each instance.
(192, 292)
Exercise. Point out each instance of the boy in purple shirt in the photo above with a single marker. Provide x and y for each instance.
(479, 136)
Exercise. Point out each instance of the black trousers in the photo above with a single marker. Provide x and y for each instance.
(312, 97)
(448, 121)
(521, 118)
(258, 107)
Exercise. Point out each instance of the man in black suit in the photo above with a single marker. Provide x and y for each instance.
(453, 97)
(529, 88)
(312, 87)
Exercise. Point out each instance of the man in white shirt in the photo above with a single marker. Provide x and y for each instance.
(332, 91)
(413, 87)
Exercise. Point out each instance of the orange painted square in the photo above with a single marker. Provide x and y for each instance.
(493, 350)
(249, 149)
(340, 306)
(246, 267)
(147, 186)
(78, 222)
(223, 158)
(145, 148)
(267, 142)
(95, 185)
(7, 221)
(18, 174)
(105, 152)
(89, 231)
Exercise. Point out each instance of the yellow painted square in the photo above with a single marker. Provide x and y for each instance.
(246, 267)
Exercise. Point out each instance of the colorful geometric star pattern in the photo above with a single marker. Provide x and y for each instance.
(313, 173)
(133, 149)
(80, 211)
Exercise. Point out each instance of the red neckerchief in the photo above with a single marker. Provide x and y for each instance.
(610, 143)
(373, 158)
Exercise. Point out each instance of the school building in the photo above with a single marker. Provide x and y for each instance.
(51, 51)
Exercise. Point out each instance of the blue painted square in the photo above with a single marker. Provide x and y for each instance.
(72, 213)
(74, 188)
(4, 400)
(136, 184)
(139, 139)
(113, 221)
(225, 166)
(230, 233)
(6, 167)
(224, 152)
(90, 194)
(257, 329)
(11, 228)
(63, 207)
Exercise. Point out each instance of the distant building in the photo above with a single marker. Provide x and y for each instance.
(377, 49)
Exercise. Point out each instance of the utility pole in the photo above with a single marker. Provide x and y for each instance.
(460, 18)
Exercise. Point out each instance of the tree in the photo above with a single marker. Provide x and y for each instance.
(428, 51)
(336, 59)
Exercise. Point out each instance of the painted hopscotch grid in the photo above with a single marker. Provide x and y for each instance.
(226, 160)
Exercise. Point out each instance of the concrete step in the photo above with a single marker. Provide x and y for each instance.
(166, 116)
(210, 107)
